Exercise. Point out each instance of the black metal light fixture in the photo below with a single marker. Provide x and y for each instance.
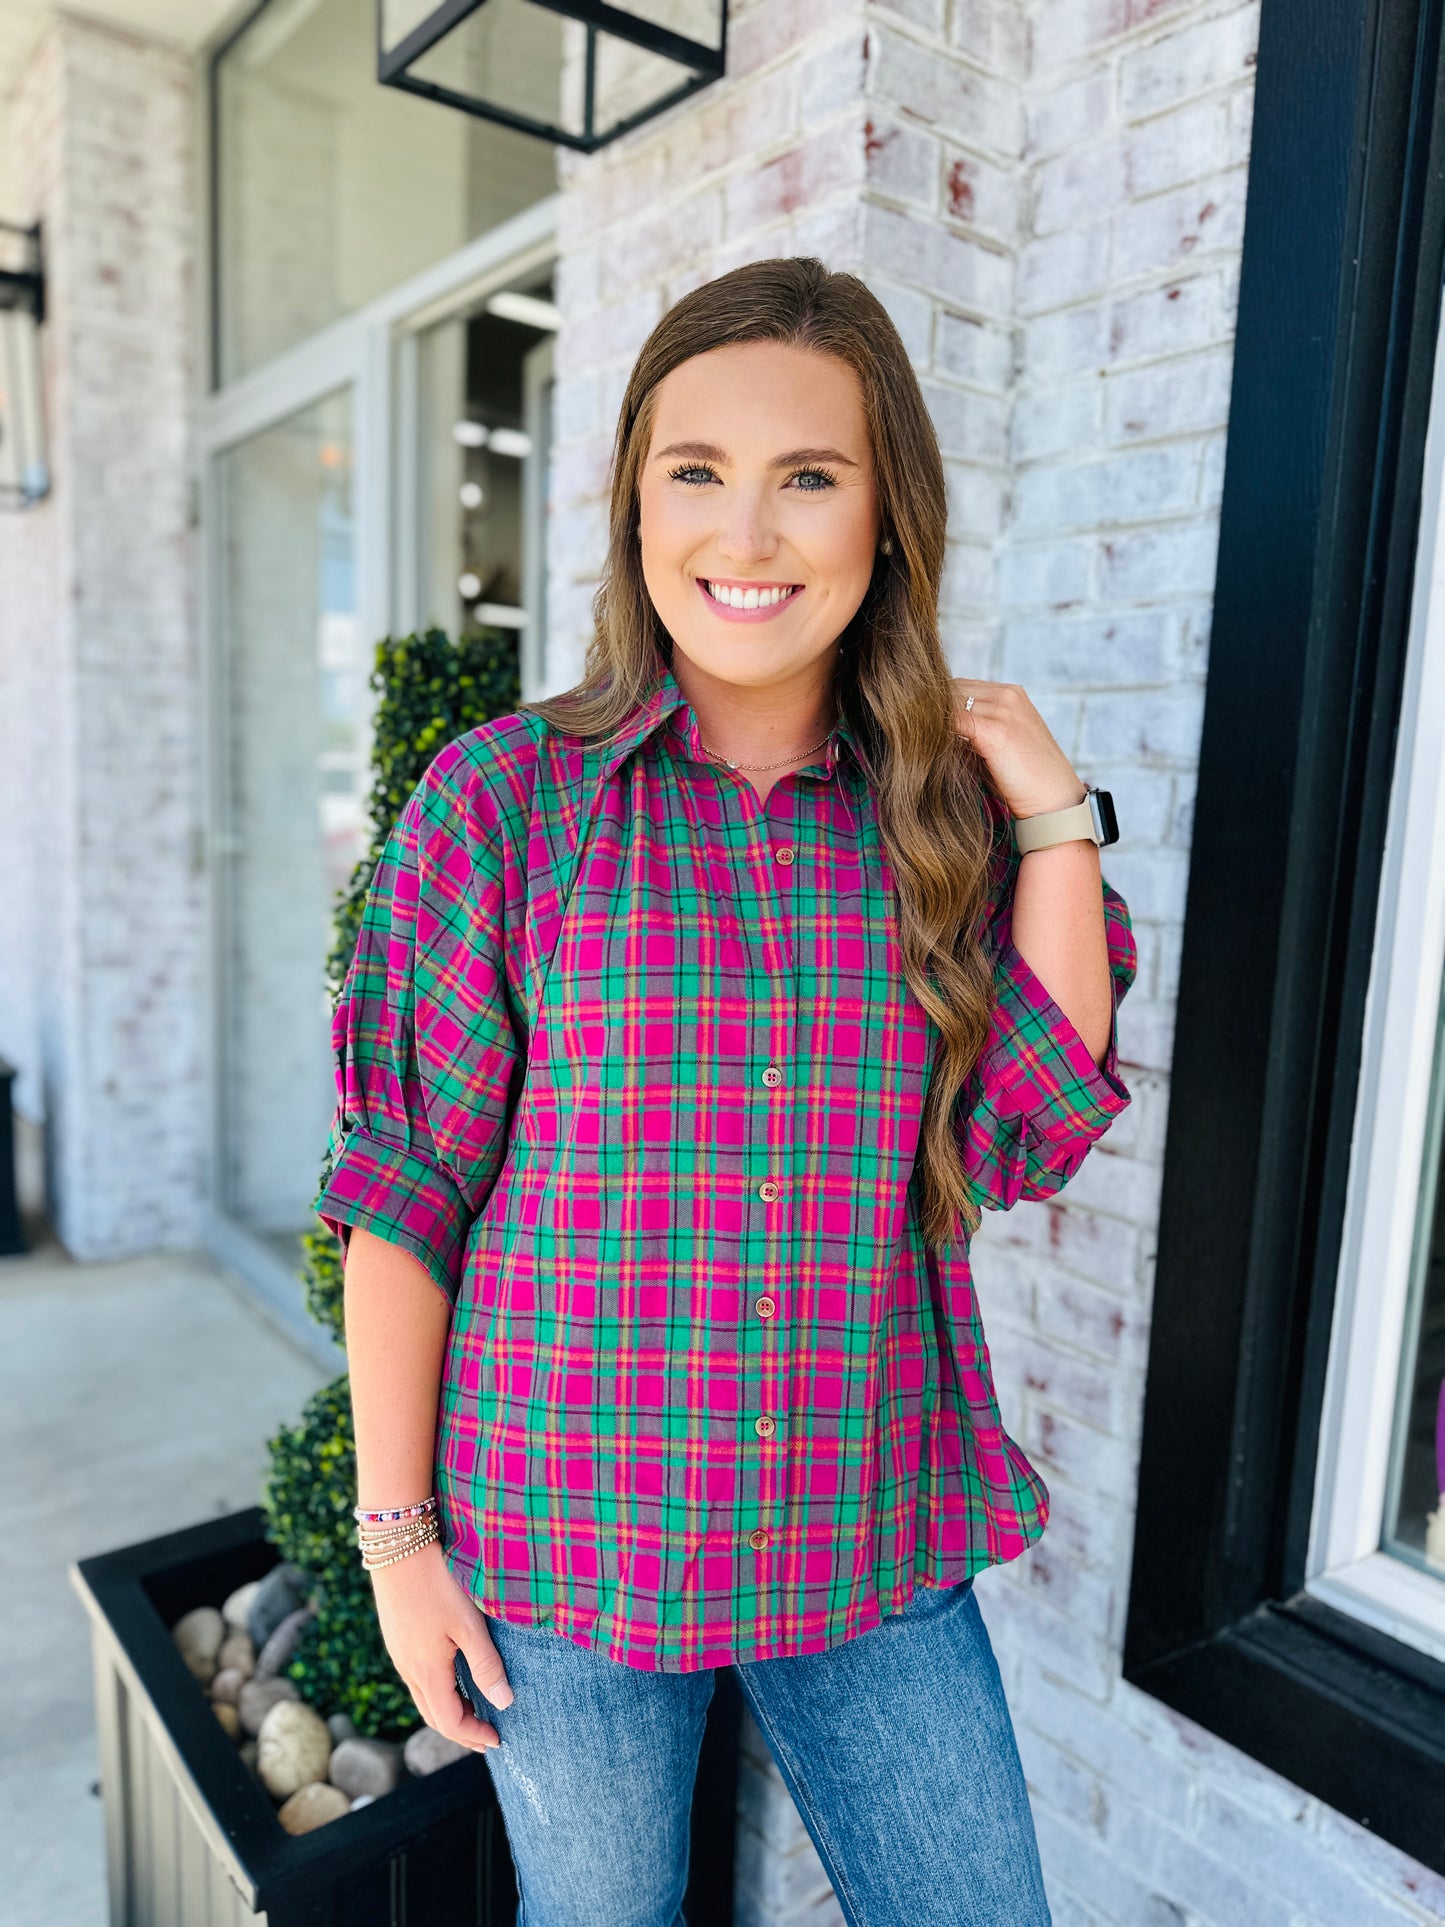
(24, 469)
(574, 72)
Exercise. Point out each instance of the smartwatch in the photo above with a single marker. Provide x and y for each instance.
(1094, 818)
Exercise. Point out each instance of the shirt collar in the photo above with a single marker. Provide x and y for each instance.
(666, 703)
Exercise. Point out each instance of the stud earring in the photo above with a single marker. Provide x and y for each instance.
(886, 545)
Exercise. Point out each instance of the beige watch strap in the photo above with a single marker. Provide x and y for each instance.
(1041, 832)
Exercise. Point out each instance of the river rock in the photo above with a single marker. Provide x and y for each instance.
(228, 1716)
(311, 1806)
(427, 1751)
(276, 1654)
(340, 1727)
(238, 1651)
(258, 1696)
(198, 1635)
(226, 1686)
(292, 1747)
(247, 1751)
(362, 1800)
(364, 1766)
(280, 1592)
(236, 1609)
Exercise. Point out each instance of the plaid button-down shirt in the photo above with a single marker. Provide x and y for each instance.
(627, 1058)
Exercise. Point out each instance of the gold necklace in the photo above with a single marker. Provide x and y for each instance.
(717, 753)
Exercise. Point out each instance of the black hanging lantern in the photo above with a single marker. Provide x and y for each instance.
(575, 72)
(24, 469)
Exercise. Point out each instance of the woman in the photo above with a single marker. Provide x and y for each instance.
(694, 1013)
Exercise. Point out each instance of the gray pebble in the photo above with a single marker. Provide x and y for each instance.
(365, 1766)
(226, 1686)
(340, 1727)
(362, 1800)
(427, 1751)
(280, 1592)
(279, 1648)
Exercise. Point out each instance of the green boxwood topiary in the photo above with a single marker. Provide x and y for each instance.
(429, 691)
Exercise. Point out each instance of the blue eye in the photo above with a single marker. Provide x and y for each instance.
(683, 474)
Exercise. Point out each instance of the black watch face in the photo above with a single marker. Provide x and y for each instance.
(1104, 803)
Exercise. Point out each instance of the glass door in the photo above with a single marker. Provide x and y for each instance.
(293, 711)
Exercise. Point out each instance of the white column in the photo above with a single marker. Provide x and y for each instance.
(99, 719)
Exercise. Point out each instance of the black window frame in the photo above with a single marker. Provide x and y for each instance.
(1340, 300)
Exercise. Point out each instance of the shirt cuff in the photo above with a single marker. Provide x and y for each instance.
(1039, 1066)
(401, 1197)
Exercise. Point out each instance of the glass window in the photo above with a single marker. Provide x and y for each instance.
(330, 188)
(295, 741)
(1377, 1537)
(484, 395)
(1415, 1505)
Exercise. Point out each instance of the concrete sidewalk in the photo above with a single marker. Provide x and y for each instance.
(135, 1398)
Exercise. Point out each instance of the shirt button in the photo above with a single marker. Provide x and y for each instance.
(785, 853)
(757, 1539)
(765, 1307)
(772, 1075)
(765, 1426)
(767, 1190)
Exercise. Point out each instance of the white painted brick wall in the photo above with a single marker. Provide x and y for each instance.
(1049, 199)
(99, 1001)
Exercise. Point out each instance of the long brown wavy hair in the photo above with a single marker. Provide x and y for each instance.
(890, 678)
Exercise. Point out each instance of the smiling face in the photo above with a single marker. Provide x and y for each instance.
(758, 489)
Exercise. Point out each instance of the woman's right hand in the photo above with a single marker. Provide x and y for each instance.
(425, 1615)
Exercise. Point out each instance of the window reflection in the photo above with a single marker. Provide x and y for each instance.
(331, 189)
(296, 742)
(484, 421)
(1415, 1502)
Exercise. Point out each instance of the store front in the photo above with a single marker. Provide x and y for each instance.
(328, 360)
(374, 460)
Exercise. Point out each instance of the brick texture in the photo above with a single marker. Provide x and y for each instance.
(1049, 199)
(99, 719)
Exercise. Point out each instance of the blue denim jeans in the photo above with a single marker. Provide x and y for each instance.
(897, 1747)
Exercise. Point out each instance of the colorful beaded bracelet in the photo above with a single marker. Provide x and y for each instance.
(398, 1512)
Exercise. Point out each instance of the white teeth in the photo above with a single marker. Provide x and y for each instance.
(747, 598)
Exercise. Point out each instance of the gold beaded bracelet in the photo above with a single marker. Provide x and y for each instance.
(385, 1546)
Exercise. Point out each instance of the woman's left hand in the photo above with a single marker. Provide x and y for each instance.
(1030, 771)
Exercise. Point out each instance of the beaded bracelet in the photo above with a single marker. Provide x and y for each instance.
(422, 1506)
(376, 1539)
(387, 1552)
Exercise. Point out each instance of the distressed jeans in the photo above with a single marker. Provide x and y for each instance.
(897, 1747)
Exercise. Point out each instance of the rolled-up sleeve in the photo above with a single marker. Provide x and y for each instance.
(424, 1040)
(1037, 1101)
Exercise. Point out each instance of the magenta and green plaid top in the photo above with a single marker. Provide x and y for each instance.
(627, 1058)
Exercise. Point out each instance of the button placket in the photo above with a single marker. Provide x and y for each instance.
(776, 1019)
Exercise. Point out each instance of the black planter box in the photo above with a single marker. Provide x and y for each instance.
(192, 1840)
